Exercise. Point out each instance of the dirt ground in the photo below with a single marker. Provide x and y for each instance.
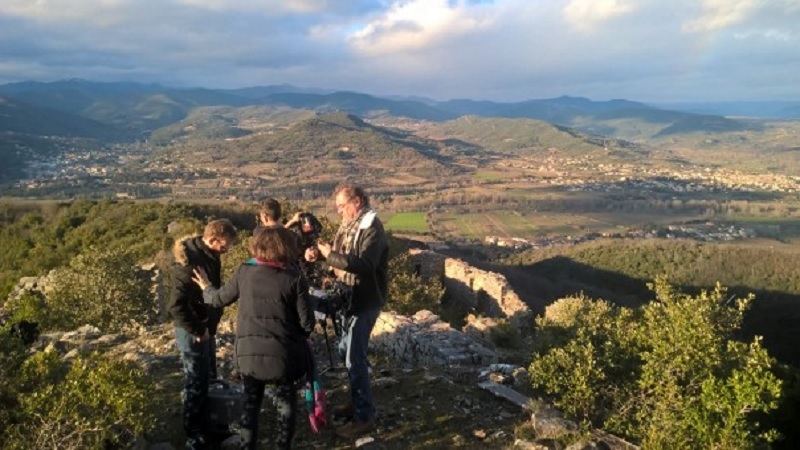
(417, 408)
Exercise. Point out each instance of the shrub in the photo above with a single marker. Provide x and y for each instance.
(693, 367)
(408, 292)
(12, 356)
(94, 403)
(583, 356)
(30, 306)
(102, 287)
(667, 375)
(505, 334)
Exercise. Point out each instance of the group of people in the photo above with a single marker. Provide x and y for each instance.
(276, 315)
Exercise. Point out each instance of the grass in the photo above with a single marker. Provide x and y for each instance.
(490, 176)
(408, 222)
(522, 224)
(786, 228)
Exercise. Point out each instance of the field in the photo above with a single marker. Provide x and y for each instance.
(534, 224)
(786, 229)
(412, 222)
(495, 223)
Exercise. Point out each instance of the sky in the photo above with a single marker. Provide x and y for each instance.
(500, 50)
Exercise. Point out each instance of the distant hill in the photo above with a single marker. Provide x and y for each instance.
(765, 109)
(22, 118)
(343, 136)
(29, 133)
(320, 151)
(146, 107)
(360, 104)
(131, 106)
(527, 137)
(558, 110)
(259, 92)
(223, 122)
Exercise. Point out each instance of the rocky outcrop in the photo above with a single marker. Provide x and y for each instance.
(424, 340)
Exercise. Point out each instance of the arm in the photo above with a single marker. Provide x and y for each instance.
(293, 221)
(178, 308)
(366, 261)
(303, 303)
(223, 296)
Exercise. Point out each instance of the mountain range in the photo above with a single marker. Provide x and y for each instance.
(127, 110)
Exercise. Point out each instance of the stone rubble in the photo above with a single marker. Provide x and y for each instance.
(424, 340)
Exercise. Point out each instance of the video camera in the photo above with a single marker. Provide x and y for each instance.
(308, 228)
(333, 300)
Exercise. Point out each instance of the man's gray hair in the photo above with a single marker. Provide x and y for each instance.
(353, 191)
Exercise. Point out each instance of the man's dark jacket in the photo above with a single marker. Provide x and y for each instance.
(368, 260)
(273, 321)
(186, 305)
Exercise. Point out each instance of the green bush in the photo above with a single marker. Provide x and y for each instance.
(29, 306)
(668, 375)
(92, 403)
(505, 334)
(101, 287)
(12, 356)
(408, 292)
(583, 354)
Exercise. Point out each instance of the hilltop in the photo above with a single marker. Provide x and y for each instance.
(87, 241)
(418, 407)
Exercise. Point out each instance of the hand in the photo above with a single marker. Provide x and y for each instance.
(295, 219)
(206, 336)
(324, 249)
(311, 254)
(200, 277)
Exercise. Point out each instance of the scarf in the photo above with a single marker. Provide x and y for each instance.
(345, 241)
(263, 262)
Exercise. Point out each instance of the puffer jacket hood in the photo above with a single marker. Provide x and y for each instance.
(186, 305)
(180, 250)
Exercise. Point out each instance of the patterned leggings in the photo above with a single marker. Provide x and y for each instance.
(284, 398)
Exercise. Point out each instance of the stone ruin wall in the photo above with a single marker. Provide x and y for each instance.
(486, 292)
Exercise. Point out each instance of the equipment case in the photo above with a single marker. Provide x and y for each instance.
(225, 406)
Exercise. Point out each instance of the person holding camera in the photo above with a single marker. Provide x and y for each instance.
(359, 257)
(302, 230)
(269, 216)
(195, 322)
(274, 320)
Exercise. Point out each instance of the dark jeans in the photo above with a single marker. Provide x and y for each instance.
(199, 365)
(353, 348)
(284, 398)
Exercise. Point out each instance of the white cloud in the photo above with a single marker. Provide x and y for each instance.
(586, 15)
(268, 7)
(417, 24)
(489, 49)
(718, 14)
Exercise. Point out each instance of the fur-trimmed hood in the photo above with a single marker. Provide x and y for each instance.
(180, 251)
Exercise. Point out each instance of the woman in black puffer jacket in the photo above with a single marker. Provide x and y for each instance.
(274, 320)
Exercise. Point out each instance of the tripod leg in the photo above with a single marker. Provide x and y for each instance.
(327, 343)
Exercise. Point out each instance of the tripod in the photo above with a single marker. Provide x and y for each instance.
(327, 306)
